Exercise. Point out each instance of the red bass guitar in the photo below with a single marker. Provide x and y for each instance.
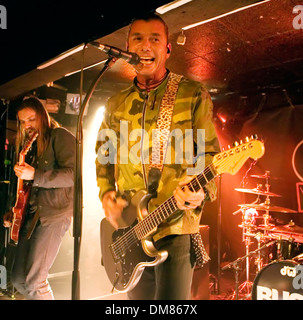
(23, 192)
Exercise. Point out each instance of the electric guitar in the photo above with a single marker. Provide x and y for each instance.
(23, 193)
(128, 250)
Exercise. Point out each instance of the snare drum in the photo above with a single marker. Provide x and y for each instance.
(282, 280)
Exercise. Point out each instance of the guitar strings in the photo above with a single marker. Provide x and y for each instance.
(130, 237)
(138, 232)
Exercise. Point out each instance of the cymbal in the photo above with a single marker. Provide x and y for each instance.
(285, 232)
(258, 191)
(266, 207)
(288, 228)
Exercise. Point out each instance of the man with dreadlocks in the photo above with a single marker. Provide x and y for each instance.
(49, 168)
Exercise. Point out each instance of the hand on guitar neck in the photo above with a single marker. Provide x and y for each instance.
(25, 172)
(185, 198)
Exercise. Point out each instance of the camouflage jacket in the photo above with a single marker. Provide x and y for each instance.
(118, 163)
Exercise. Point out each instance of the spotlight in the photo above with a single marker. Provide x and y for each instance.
(172, 5)
(181, 39)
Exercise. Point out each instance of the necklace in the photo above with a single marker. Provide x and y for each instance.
(151, 85)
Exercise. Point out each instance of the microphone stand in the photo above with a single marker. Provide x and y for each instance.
(219, 223)
(78, 196)
(235, 264)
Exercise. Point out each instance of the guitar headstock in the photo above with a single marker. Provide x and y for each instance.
(231, 160)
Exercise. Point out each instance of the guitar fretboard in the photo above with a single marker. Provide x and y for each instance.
(167, 208)
(160, 214)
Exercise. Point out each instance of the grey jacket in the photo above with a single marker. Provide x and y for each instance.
(53, 184)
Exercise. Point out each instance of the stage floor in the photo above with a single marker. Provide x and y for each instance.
(224, 290)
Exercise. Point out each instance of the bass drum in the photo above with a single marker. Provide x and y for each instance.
(282, 280)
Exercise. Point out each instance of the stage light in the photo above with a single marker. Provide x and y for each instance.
(172, 5)
(222, 117)
(181, 39)
(90, 137)
(223, 15)
(85, 68)
(61, 57)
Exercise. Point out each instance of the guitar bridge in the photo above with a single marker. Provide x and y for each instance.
(118, 257)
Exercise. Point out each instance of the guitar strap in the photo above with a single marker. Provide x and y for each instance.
(33, 225)
(161, 134)
(160, 138)
(160, 141)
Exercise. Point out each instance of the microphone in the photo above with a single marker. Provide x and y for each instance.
(130, 57)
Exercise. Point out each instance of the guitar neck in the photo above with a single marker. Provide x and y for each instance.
(167, 208)
(22, 157)
(21, 163)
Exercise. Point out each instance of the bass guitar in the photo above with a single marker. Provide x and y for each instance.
(128, 250)
(23, 192)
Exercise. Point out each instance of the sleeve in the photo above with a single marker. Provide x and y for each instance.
(105, 170)
(203, 119)
(62, 174)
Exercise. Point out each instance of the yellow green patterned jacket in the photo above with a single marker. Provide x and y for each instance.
(119, 159)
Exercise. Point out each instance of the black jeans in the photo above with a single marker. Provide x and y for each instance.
(170, 280)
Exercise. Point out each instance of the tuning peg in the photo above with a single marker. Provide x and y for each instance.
(235, 144)
(228, 146)
(247, 139)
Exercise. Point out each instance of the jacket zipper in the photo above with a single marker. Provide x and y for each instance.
(142, 140)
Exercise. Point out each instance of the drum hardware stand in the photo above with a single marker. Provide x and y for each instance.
(266, 216)
(219, 223)
(259, 259)
(290, 243)
(236, 267)
(248, 220)
(246, 284)
(279, 251)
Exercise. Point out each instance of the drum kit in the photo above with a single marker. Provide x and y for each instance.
(278, 272)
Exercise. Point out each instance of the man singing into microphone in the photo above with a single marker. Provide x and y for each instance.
(139, 106)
